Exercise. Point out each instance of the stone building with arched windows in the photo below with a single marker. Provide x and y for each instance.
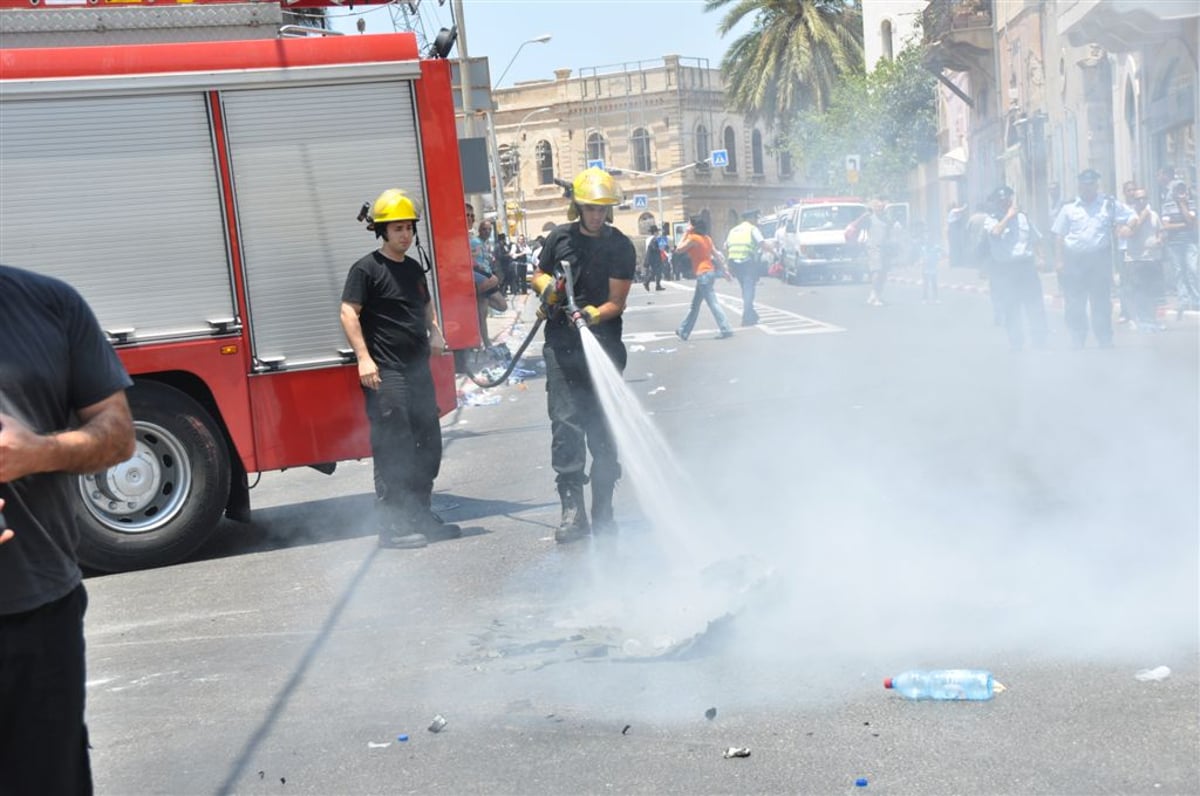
(652, 123)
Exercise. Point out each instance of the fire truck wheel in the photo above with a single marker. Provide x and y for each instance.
(158, 506)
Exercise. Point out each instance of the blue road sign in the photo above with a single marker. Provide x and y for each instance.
(640, 201)
(595, 164)
(720, 158)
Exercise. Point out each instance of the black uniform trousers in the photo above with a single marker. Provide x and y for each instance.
(1019, 290)
(43, 740)
(577, 421)
(1087, 280)
(406, 439)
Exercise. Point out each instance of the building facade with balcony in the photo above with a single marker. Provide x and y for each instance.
(1034, 91)
(651, 123)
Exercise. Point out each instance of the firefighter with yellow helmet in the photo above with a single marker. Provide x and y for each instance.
(388, 319)
(601, 261)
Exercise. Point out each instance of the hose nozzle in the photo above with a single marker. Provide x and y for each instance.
(573, 311)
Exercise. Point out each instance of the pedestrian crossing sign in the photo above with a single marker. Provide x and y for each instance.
(720, 158)
(640, 201)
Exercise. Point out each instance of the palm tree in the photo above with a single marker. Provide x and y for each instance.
(792, 57)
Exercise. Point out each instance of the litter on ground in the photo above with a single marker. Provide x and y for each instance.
(1153, 675)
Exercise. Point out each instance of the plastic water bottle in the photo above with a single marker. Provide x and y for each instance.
(948, 684)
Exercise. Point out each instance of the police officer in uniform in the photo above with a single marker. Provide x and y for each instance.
(602, 261)
(1085, 234)
(1011, 240)
(743, 247)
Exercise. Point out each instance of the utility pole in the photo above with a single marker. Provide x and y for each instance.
(464, 77)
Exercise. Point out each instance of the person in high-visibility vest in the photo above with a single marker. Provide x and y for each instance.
(743, 249)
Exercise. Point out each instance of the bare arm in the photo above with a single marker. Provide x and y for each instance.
(1002, 224)
(5, 533)
(104, 438)
(618, 293)
(368, 371)
(437, 343)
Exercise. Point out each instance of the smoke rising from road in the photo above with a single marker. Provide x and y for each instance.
(1012, 508)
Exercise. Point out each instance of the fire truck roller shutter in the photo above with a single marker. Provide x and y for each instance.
(304, 160)
(87, 183)
(182, 464)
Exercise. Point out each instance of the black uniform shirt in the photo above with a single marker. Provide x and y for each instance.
(594, 261)
(54, 359)
(393, 296)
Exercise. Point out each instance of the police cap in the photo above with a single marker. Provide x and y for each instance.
(1089, 175)
(1001, 194)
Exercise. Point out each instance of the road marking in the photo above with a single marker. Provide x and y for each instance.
(771, 320)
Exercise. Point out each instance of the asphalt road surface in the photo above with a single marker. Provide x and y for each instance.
(849, 492)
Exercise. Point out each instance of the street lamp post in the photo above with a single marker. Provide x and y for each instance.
(520, 165)
(498, 195)
(545, 37)
(658, 178)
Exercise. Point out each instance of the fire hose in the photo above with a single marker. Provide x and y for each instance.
(549, 298)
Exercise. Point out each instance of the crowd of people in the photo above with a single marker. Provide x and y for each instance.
(1140, 248)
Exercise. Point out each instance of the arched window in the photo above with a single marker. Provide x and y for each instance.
(1130, 109)
(731, 150)
(595, 147)
(702, 143)
(545, 162)
(733, 219)
(885, 38)
(756, 152)
(785, 164)
(641, 149)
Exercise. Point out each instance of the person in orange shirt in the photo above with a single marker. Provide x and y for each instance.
(699, 248)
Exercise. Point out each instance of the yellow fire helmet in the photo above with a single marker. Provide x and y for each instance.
(593, 187)
(394, 205)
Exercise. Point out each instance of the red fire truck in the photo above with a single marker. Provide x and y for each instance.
(203, 196)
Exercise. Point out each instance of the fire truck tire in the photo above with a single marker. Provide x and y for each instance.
(160, 505)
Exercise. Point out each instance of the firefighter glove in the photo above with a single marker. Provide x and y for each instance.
(590, 314)
(544, 285)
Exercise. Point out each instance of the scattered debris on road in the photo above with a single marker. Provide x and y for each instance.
(373, 745)
(439, 723)
(737, 751)
(625, 729)
(1153, 675)
(710, 714)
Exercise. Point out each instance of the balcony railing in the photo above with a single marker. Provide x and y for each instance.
(942, 17)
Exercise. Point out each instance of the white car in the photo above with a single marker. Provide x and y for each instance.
(814, 242)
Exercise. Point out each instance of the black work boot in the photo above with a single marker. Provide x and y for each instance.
(395, 529)
(401, 537)
(574, 524)
(430, 523)
(602, 508)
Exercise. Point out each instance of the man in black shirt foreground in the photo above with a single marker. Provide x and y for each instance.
(602, 262)
(62, 410)
(388, 318)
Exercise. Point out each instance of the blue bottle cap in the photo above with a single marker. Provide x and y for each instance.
(402, 738)
(861, 782)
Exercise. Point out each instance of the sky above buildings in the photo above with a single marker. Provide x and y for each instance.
(585, 33)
